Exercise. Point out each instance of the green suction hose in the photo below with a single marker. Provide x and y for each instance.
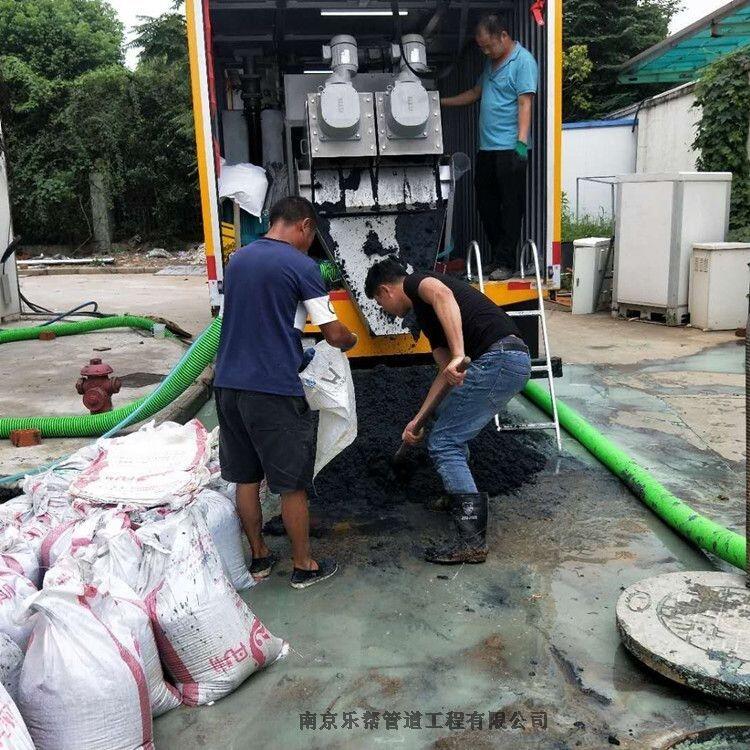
(202, 353)
(698, 529)
(83, 326)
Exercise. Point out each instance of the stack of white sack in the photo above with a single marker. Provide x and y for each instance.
(134, 580)
(157, 470)
(49, 491)
(60, 508)
(19, 576)
(83, 683)
(22, 534)
(209, 639)
(45, 506)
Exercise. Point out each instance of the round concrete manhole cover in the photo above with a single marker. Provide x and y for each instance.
(693, 628)
(717, 738)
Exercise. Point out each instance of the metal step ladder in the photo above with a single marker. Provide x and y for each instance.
(529, 246)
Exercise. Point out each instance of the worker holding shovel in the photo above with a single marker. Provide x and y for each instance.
(459, 322)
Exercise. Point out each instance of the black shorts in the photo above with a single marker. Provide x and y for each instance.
(265, 435)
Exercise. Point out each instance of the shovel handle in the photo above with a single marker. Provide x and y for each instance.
(434, 402)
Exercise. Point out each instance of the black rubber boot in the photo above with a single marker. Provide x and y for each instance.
(469, 516)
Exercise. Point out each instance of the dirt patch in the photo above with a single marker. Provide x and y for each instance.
(361, 479)
(496, 596)
(126, 255)
(388, 685)
(489, 654)
(297, 688)
(141, 379)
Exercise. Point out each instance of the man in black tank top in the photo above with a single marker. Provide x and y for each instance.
(458, 321)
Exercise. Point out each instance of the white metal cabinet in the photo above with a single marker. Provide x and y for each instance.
(659, 219)
(719, 280)
(589, 261)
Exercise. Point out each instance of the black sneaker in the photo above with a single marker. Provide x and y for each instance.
(301, 579)
(261, 566)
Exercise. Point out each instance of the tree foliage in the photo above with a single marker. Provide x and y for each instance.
(577, 69)
(723, 95)
(612, 31)
(161, 38)
(60, 39)
(76, 107)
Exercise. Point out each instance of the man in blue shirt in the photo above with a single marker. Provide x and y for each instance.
(506, 88)
(265, 424)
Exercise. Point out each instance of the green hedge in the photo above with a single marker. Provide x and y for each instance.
(723, 94)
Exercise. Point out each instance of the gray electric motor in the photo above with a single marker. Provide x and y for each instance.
(408, 105)
(339, 112)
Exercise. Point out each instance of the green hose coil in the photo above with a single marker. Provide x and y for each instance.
(179, 379)
(701, 531)
(83, 326)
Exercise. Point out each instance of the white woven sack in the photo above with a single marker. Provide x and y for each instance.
(226, 531)
(329, 389)
(49, 491)
(15, 588)
(16, 510)
(82, 686)
(35, 529)
(162, 465)
(208, 638)
(11, 659)
(117, 556)
(13, 732)
(77, 534)
(17, 554)
(125, 613)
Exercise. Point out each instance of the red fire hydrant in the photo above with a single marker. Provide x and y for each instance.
(97, 387)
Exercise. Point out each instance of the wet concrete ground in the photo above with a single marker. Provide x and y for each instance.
(531, 634)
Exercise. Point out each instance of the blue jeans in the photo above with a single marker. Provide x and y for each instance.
(491, 381)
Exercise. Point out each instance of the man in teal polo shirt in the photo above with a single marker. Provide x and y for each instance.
(506, 87)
